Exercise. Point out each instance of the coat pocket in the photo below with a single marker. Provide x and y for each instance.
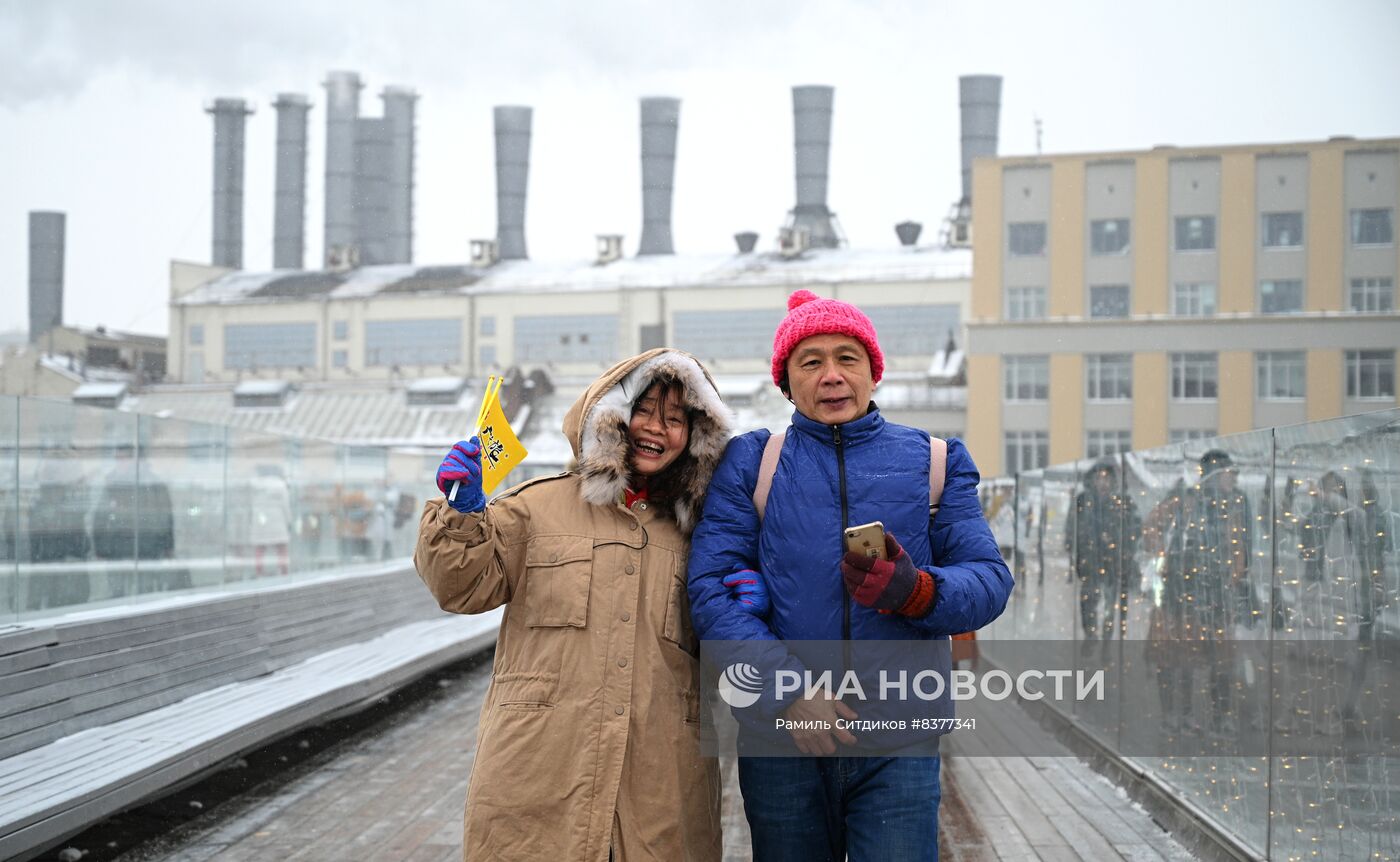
(677, 627)
(558, 571)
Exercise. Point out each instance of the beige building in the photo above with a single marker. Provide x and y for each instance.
(390, 324)
(1127, 300)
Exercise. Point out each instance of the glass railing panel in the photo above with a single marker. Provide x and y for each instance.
(11, 547)
(1336, 680)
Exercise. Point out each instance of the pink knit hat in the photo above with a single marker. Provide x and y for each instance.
(808, 315)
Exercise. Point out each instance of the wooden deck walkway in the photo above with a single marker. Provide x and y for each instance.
(398, 797)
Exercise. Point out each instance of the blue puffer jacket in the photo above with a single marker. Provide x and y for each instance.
(829, 478)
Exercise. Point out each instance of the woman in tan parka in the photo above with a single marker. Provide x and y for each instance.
(588, 747)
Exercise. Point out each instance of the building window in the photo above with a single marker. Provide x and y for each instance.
(566, 338)
(1026, 450)
(1109, 236)
(340, 330)
(1186, 435)
(1108, 300)
(413, 342)
(1194, 376)
(1195, 233)
(1099, 444)
(1027, 378)
(488, 325)
(340, 358)
(1281, 297)
(1371, 374)
(487, 355)
(196, 334)
(1372, 295)
(1195, 299)
(908, 330)
(1108, 376)
(1280, 375)
(1372, 227)
(250, 346)
(1282, 230)
(729, 334)
(1025, 303)
(1027, 238)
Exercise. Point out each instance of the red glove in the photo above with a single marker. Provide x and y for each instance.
(892, 585)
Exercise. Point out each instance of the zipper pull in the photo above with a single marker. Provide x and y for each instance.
(836, 434)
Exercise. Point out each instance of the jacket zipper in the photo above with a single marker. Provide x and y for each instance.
(841, 473)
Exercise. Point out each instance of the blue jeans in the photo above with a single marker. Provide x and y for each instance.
(808, 809)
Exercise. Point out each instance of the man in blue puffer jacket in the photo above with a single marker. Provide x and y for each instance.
(785, 576)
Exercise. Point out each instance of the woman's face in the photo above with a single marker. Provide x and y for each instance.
(659, 430)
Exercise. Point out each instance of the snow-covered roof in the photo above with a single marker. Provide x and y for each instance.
(814, 267)
(437, 385)
(100, 391)
(261, 387)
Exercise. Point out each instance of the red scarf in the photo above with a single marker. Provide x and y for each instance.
(629, 496)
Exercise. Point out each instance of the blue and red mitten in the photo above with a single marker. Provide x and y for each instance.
(746, 587)
(891, 585)
(463, 464)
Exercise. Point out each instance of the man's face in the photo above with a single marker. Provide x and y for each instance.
(829, 378)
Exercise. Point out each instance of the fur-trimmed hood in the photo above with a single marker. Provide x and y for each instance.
(596, 426)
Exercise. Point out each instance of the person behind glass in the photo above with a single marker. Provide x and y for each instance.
(1215, 537)
(134, 519)
(784, 576)
(588, 745)
(1101, 538)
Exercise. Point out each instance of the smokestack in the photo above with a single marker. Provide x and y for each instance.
(746, 240)
(661, 118)
(46, 230)
(230, 117)
(399, 109)
(372, 152)
(512, 174)
(342, 112)
(289, 205)
(908, 232)
(811, 110)
(979, 97)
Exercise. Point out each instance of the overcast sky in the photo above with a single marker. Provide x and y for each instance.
(101, 110)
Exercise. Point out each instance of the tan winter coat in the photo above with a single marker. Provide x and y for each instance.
(589, 736)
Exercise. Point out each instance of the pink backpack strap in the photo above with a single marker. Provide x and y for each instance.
(937, 472)
(767, 466)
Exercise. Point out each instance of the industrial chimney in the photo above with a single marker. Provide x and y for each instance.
(342, 112)
(373, 149)
(512, 174)
(745, 240)
(811, 110)
(289, 205)
(979, 97)
(660, 122)
(230, 118)
(399, 108)
(46, 231)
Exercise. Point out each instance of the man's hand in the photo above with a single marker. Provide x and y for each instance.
(463, 464)
(890, 585)
(819, 711)
(747, 588)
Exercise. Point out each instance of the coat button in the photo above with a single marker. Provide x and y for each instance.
(642, 506)
(632, 526)
(631, 569)
(619, 710)
(622, 662)
(626, 616)
(554, 558)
